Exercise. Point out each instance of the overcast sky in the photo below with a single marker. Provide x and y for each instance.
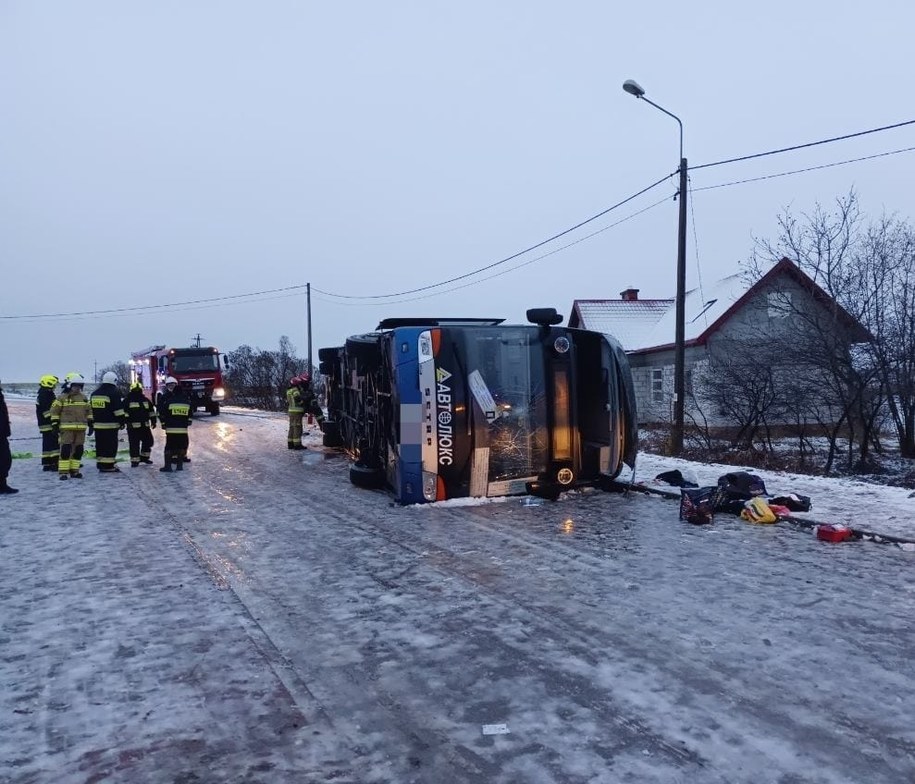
(155, 153)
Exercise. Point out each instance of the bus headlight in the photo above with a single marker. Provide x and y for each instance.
(219, 393)
(561, 344)
(430, 485)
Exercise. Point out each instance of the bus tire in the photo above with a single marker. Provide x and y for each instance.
(213, 408)
(365, 477)
(332, 435)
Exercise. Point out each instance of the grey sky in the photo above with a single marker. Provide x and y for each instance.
(156, 153)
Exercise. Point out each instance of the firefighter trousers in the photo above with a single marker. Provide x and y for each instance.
(176, 445)
(71, 450)
(140, 440)
(50, 448)
(106, 447)
(295, 427)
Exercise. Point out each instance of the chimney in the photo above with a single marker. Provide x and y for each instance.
(629, 295)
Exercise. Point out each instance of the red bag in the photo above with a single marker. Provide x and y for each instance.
(834, 533)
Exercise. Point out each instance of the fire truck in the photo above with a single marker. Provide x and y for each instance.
(197, 369)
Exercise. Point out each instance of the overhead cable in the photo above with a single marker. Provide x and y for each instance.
(802, 146)
(500, 261)
(802, 171)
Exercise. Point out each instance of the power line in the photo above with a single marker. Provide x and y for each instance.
(802, 146)
(113, 311)
(802, 171)
(501, 261)
(504, 271)
(202, 302)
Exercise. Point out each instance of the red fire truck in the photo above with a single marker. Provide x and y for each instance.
(196, 368)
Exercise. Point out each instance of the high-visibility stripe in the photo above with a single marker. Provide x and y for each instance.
(73, 426)
(176, 430)
(45, 428)
(106, 425)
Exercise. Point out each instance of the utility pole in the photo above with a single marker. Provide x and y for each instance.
(676, 430)
(308, 318)
(196, 341)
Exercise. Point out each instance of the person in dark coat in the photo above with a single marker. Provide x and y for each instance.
(108, 416)
(175, 414)
(6, 457)
(141, 418)
(50, 448)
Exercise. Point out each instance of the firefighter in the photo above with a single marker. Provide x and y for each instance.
(141, 417)
(49, 448)
(175, 414)
(108, 416)
(71, 416)
(6, 457)
(309, 399)
(296, 411)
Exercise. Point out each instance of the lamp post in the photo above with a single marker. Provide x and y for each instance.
(676, 432)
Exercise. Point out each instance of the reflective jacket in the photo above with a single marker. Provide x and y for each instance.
(140, 411)
(43, 408)
(107, 408)
(294, 400)
(175, 411)
(71, 410)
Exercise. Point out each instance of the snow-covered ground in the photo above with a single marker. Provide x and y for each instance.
(257, 619)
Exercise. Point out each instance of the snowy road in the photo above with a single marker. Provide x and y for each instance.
(257, 619)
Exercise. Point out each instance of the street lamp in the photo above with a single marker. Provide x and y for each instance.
(676, 432)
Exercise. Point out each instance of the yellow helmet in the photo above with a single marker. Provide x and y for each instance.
(49, 382)
(136, 385)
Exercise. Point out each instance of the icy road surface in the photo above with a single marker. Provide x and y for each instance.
(257, 619)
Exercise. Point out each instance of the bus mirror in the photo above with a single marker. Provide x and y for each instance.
(545, 317)
(225, 360)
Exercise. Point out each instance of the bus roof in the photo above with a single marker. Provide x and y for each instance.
(392, 323)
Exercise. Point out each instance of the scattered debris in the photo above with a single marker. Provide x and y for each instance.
(496, 729)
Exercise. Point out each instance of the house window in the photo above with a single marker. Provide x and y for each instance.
(779, 303)
(657, 385)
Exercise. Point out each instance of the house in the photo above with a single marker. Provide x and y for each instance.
(732, 316)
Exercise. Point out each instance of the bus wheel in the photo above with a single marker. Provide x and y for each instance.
(365, 477)
(331, 434)
(213, 408)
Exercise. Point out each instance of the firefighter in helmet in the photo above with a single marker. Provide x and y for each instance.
(141, 417)
(49, 446)
(296, 411)
(71, 416)
(108, 416)
(175, 414)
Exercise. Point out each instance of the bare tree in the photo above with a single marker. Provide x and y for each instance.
(259, 378)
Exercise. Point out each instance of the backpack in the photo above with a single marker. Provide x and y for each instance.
(697, 504)
(735, 488)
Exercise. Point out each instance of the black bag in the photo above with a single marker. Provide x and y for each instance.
(794, 501)
(697, 504)
(675, 478)
(735, 488)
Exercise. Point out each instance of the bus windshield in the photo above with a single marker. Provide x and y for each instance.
(506, 384)
(191, 363)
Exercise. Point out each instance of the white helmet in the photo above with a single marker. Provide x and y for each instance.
(171, 380)
(74, 378)
(109, 377)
